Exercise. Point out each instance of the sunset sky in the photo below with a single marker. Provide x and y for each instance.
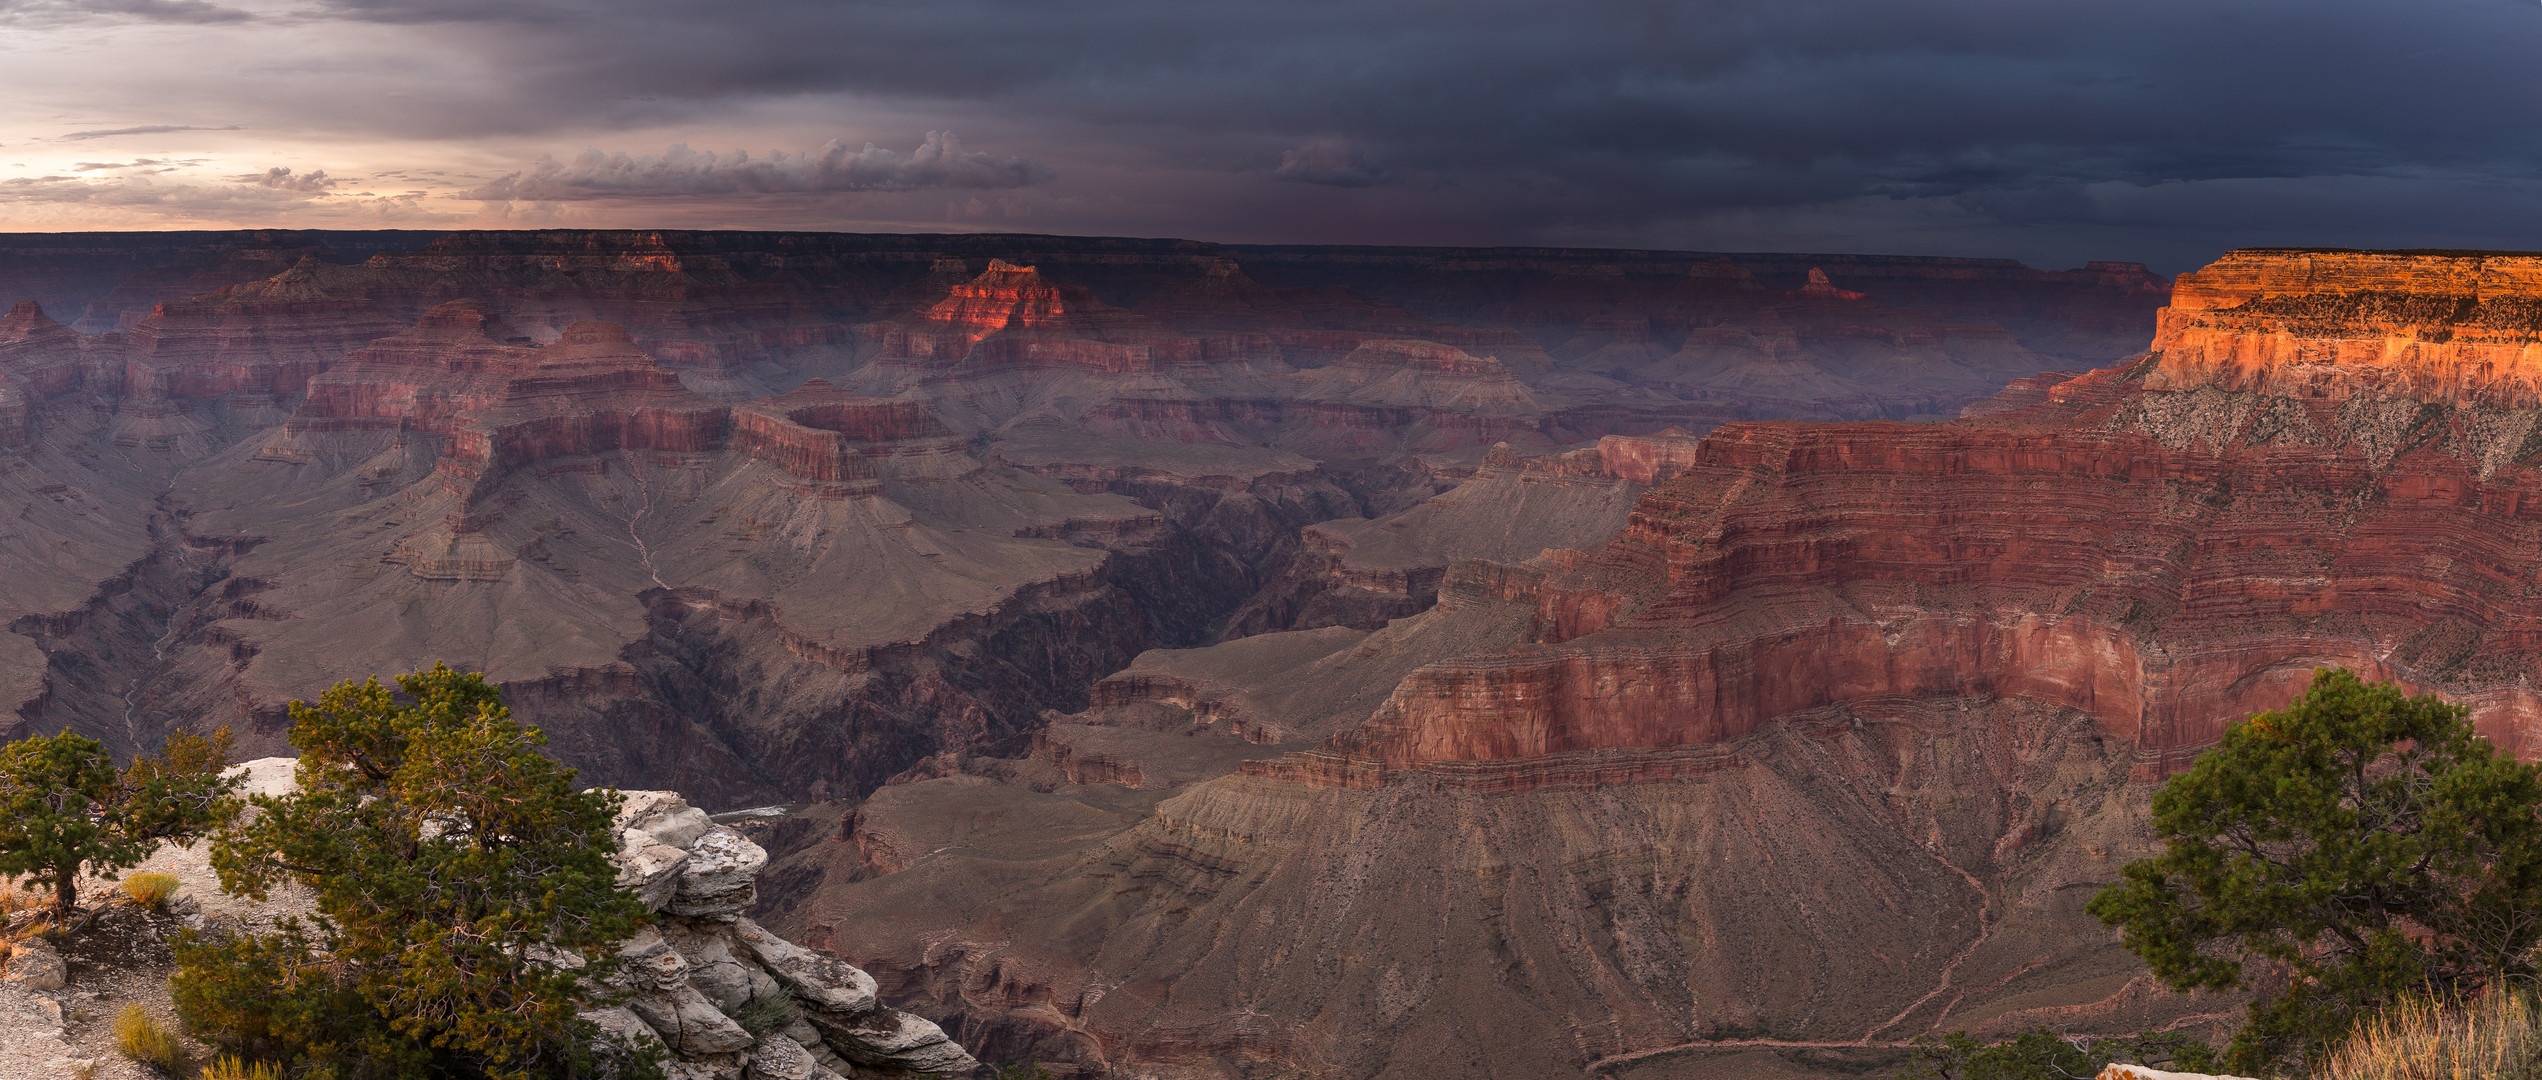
(2160, 130)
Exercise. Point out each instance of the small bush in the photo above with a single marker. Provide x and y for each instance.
(142, 1039)
(767, 1012)
(2496, 1035)
(151, 890)
(227, 1067)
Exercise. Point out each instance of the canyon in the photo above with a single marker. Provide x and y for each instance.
(1204, 660)
(1758, 751)
(770, 517)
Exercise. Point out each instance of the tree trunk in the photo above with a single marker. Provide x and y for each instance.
(65, 894)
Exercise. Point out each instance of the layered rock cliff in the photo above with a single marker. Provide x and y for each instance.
(278, 459)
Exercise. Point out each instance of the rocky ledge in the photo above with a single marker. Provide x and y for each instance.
(728, 999)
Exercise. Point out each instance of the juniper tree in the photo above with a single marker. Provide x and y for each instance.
(65, 810)
(2358, 846)
(464, 893)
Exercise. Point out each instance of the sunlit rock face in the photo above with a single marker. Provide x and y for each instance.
(2444, 329)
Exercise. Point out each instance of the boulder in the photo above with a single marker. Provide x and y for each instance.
(892, 1037)
(660, 817)
(625, 1025)
(652, 872)
(780, 1058)
(35, 965)
(714, 971)
(820, 982)
(648, 962)
(722, 877)
(689, 1022)
(2139, 1072)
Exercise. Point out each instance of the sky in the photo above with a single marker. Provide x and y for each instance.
(2052, 131)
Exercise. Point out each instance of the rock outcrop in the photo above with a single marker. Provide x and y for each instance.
(702, 962)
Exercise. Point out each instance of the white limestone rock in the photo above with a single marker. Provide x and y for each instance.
(722, 877)
(780, 1058)
(653, 873)
(892, 1037)
(655, 830)
(821, 982)
(714, 971)
(702, 961)
(688, 1022)
(625, 1025)
(646, 961)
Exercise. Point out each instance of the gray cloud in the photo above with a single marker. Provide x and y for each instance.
(938, 162)
(280, 179)
(1333, 162)
(196, 12)
(147, 129)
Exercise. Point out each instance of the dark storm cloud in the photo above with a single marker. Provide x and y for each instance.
(938, 162)
(1605, 120)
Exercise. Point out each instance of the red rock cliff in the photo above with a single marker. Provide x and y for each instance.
(2320, 464)
(2447, 329)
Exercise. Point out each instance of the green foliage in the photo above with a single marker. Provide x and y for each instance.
(767, 1012)
(464, 892)
(2041, 1054)
(140, 1038)
(2356, 847)
(1020, 1070)
(64, 808)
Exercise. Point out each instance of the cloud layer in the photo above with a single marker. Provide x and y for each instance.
(2162, 129)
(938, 162)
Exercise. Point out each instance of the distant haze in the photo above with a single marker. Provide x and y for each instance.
(2159, 130)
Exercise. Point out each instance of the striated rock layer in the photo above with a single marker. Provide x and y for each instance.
(775, 516)
(1823, 748)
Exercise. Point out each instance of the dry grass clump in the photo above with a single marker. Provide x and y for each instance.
(14, 900)
(227, 1067)
(142, 1039)
(151, 890)
(21, 917)
(2496, 1036)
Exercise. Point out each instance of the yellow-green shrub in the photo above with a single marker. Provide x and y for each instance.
(151, 890)
(142, 1039)
(227, 1067)
(2496, 1036)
